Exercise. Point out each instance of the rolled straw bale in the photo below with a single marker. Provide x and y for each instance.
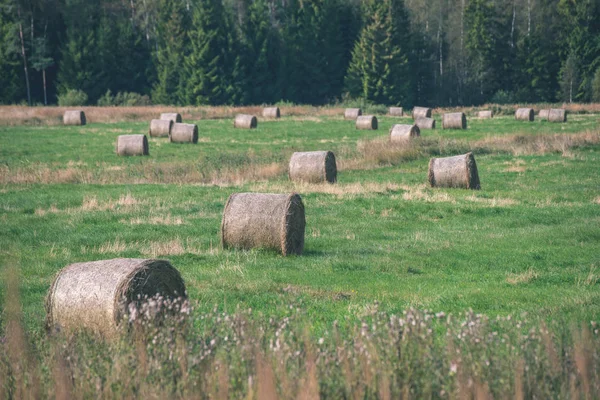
(454, 121)
(352, 113)
(421, 112)
(271, 112)
(74, 117)
(97, 296)
(454, 172)
(264, 220)
(401, 133)
(543, 114)
(486, 114)
(524, 114)
(425, 123)
(368, 122)
(132, 145)
(396, 111)
(184, 133)
(175, 117)
(160, 127)
(245, 121)
(557, 115)
(313, 167)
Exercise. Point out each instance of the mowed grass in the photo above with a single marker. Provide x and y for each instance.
(527, 242)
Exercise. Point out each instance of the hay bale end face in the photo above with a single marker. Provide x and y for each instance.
(132, 145)
(402, 133)
(524, 114)
(352, 113)
(543, 114)
(313, 167)
(486, 114)
(366, 122)
(425, 123)
(264, 220)
(244, 121)
(557, 115)
(421, 112)
(454, 121)
(175, 117)
(160, 127)
(454, 172)
(271, 112)
(184, 133)
(396, 111)
(97, 296)
(74, 117)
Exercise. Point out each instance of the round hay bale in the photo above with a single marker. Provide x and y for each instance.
(74, 117)
(132, 145)
(454, 121)
(313, 167)
(486, 114)
(524, 114)
(454, 172)
(557, 115)
(160, 127)
(97, 296)
(271, 112)
(263, 220)
(368, 122)
(396, 111)
(245, 121)
(352, 113)
(401, 133)
(421, 112)
(425, 123)
(543, 114)
(184, 133)
(175, 117)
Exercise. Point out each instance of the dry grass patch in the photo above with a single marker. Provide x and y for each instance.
(155, 220)
(493, 202)
(524, 277)
(339, 190)
(423, 193)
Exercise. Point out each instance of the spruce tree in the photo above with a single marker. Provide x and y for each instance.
(11, 85)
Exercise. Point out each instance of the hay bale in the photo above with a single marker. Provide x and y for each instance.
(74, 117)
(401, 132)
(454, 172)
(175, 117)
(486, 114)
(352, 113)
(454, 121)
(421, 112)
(263, 220)
(368, 122)
(132, 145)
(98, 296)
(271, 112)
(396, 111)
(245, 121)
(524, 114)
(557, 115)
(184, 133)
(313, 167)
(425, 123)
(543, 114)
(160, 127)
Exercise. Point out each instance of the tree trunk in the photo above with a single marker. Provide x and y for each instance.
(44, 79)
(528, 17)
(512, 27)
(24, 55)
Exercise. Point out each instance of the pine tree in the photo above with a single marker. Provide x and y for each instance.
(11, 85)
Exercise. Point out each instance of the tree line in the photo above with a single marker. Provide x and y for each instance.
(395, 52)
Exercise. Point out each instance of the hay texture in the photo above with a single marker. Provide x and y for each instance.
(454, 172)
(421, 112)
(97, 296)
(454, 121)
(557, 115)
(74, 117)
(543, 114)
(313, 167)
(271, 112)
(403, 133)
(486, 114)
(396, 112)
(352, 113)
(366, 122)
(184, 133)
(244, 121)
(263, 220)
(524, 114)
(160, 127)
(425, 123)
(132, 145)
(175, 117)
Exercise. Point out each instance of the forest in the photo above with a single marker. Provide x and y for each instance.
(235, 52)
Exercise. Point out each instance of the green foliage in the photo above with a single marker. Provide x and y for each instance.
(72, 97)
(11, 82)
(596, 86)
(123, 99)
